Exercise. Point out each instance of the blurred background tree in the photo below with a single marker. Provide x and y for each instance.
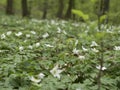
(25, 11)
(9, 7)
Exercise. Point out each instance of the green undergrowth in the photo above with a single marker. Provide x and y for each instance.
(58, 55)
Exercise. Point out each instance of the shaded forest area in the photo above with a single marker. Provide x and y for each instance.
(61, 9)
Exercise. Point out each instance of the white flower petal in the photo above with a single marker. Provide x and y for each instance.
(41, 75)
(30, 47)
(3, 36)
(75, 51)
(84, 49)
(9, 33)
(99, 67)
(64, 32)
(48, 45)
(56, 71)
(94, 44)
(76, 42)
(18, 34)
(45, 35)
(117, 48)
(21, 48)
(81, 57)
(33, 32)
(34, 79)
(94, 50)
(27, 35)
(59, 30)
(37, 44)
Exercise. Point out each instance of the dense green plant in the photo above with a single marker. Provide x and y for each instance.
(58, 55)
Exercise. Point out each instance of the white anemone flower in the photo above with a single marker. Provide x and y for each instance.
(34, 79)
(76, 42)
(48, 45)
(33, 32)
(21, 48)
(30, 47)
(81, 57)
(99, 67)
(59, 30)
(27, 35)
(78, 89)
(56, 71)
(94, 50)
(45, 35)
(41, 75)
(75, 51)
(94, 44)
(37, 44)
(9, 33)
(117, 48)
(3, 36)
(18, 34)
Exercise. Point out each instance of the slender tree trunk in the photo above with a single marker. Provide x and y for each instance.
(70, 6)
(9, 7)
(45, 7)
(60, 9)
(25, 11)
(104, 8)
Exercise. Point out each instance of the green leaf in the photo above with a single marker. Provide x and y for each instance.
(93, 1)
(80, 14)
(103, 17)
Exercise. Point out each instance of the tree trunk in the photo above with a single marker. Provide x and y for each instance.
(9, 7)
(45, 7)
(60, 9)
(25, 11)
(104, 8)
(70, 6)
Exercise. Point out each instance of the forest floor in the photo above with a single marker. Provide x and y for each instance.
(58, 55)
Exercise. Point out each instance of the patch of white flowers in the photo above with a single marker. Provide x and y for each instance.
(117, 48)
